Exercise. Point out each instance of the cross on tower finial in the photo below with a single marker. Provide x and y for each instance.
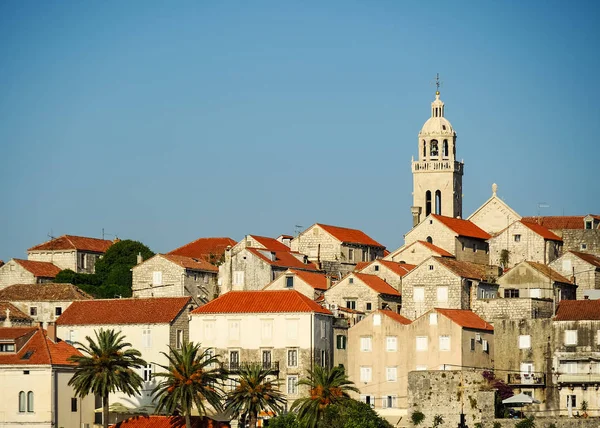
(437, 82)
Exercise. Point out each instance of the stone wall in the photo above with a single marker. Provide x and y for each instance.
(318, 244)
(440, 235)
(494, 215)
(357, 291)
(13, 273)
(45, 311)
(181, 322)
(547, 422)
(492, 309)
(471, 250)
(412, 254)
(172, 278)
(573, 238)
(63, 259)
(389, 276)
(587, 277)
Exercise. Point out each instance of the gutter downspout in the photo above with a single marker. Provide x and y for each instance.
(54, 397)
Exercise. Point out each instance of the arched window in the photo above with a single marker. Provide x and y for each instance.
(424, 149)
(22, 406)
(30, 401)
(438, 202)
(427, 203)
(430, 239)
(433, 149)
(445, 149)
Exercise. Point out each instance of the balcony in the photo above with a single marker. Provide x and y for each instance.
(435, 166)
(579, 379)
(235, 367)
(529, 379)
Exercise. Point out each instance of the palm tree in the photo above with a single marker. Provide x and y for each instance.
(327, 386)
(107, 365)
(254, 393)
(192, 377)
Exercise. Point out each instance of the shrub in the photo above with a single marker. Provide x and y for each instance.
(417, 417)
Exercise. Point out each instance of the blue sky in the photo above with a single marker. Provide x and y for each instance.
(164, 122)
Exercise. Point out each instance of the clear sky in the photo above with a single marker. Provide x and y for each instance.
(167, 121)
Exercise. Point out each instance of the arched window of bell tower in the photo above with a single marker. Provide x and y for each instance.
(427, 203)
(445, 148)
(438, 202)
(424, 149)
(433, 149)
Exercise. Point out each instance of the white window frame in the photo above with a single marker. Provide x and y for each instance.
(179, 339)
(238, 277)
(366, 374)
(233, 329)
(391, 343)
(365, 344)
(445, 342)
(294, 359)
(391, 374)
(292, 384)
(418, 294)
(570, 337)
(421, 343)
(433, 318)
(266, 328)
(157, 278)
(442, 294)
(524, 341)
(386, 399)
(209, 329)
(147, 338)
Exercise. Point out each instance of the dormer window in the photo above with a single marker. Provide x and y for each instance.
(7, 347)
(589, 224)
(289, 281)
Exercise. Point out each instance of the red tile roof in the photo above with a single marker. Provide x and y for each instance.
(590, 258)
(40, 349)
(50, 291)
(190, 262)
(464, 269)
(398, 268)
(548, 272)
(70, 242)
(264, 301)
(270, 243)
(578, 310)
(283, 259)
(316, 280)
(352, 236)
(155, 421)
(559, 222)
(361, 265)
(462, 227)
(39, 269)
(203, 248)
(15, 313)
(436, 249)
(157, 310)
(542, 231)
(466, 319)
(377, 284)
(396, 317)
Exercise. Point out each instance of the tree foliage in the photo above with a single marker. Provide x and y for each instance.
(352, 414)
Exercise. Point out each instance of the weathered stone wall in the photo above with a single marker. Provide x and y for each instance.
(46, 311)
(318, 244)
(389, 276)
(542, 422)
(471, 250)
(492, 309)
(257, 273)
(574, 238)
(587, 276)
(413, 254)
(440, 235)
(494, 215)
(181, 322)
(63, 259)
(13, 273)
(172, 278)
(357, 291)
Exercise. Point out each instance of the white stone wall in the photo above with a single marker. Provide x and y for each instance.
(358, 291)
(66, 259)
(413, 254)
(318, 244)
(299, 285)
(494, 216)
(586, 275)
(440, 234)
(383, 272)
(46, 310)
(448, 182)
(13, 273)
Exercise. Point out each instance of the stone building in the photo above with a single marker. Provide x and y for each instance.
(494, 215)
(311, 284)
(11, 316)
(17, 271)
(437, 175)
(278, 329)
(211, 250)
(364, 293)
(391, 272)
(150, 325)
(336, 249)
(77, 253)
(417, 252)
(578, 233)
(442, 282)
(524, 241)
(43, 302)
(169, 275)
(255, 261)
(582, 268)
(461, 238)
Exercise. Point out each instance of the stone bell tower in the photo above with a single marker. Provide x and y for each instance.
(437, 175)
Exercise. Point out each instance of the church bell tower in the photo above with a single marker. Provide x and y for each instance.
(437, 175)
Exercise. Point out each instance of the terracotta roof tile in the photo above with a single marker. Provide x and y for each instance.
(542, 231)
(361, 265)
(396, 317)
(38, 350)
(377, 284)
(462, 227)
(548, 272)
(15, 313)
(190, 262)
(71, 242)
(283, 259)
(264, 301)
(11, 333)
(352, 236)
(154, 421)
(464, 269)
(349, 310)
(39, 269)
(270, 243)
(398, 268)
(558, 222)
(578, 310)
(466, 319)
(436, 249)
(316, 280)
(203, 248)
(157, 310)
(50, 291)
(590, 258)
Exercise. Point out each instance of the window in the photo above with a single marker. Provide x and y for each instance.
(323, 358)
(486, 346)
(292, 357)
(30, 402)
(377, 319)
(33, 311)
(535, 293)
(472, 344)
(421, 343)
(430, 267)
(570, 337)
(72, 336)
(179, 339)
(433, 318)
(588, 224)
(368, 306)
(292, 384)
(157, 278)
(444, 343)
(266, 359)
(365, 344)
(289, 282)
(209, 330)
(442, 294)
(391, 374)
(391, 343)
(73, 404)
(350, 280)
(583, 247)
(58, 311)
(517, 238)
(323, 329)
(351, 304)
(22, 402)
(292, 329)
(433, 148)
(147, 338)
(376, 268)
(524, 341)
(365, 374)
(350, 254)
(475, 247)
(569, 367)
(511, 293)
(234, 330)
(82, 260)
(388, 401)
(418, 294)
(7, 347)
(445, 148)
(238, 277)
(267, 329)
(147, 373)
(341, 341)
(234, 360)
(571, 401)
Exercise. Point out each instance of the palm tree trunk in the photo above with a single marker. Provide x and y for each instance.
(105, 411)
(188, 420)
(252, 422)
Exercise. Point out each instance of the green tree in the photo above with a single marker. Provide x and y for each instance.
(254, 393)
(287, 420)
(352, 414)
(192, 377)
(326, 387)
(107, 365)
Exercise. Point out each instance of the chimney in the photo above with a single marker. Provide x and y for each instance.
(7, 322)
(328, 283)
(51, 331)
(116, 240)
(416, 214)
(140, 259)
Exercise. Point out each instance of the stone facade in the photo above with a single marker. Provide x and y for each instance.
(43, 312)
(380, 269)
(585, 274)
(76, 260)
(512, 309)
(494, 215)
(584, 240)
(415, 253)
(13, 273)
(298, 283)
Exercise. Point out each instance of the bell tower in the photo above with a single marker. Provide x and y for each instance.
(437, 175)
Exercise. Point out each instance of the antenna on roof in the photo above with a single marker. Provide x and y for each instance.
(297, 230)
(109, 234)
(541, 205)
(51, 235)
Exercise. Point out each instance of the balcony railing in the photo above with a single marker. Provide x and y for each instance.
(532, 379)
(234, 366)
(575, 378)
(433, 165)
